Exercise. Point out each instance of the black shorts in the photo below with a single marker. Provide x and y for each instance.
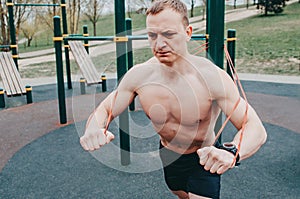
(184, 172)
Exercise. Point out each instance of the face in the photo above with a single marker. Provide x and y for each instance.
(168, 36)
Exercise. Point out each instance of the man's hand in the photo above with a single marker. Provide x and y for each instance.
(91, 141)
(215, 160)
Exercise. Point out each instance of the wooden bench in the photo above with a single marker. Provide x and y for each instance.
(86, 66)
(11, 78)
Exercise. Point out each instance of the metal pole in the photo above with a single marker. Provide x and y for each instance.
(231, 49)
(121, 70)
(129, 53)
(35, 4)
(86, 34)
(215, 29)
(207, 25)
(66, 45)
(2, 100)
(59, 70)
(13, 39)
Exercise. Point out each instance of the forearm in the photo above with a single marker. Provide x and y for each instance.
(254, 137)
(95, 136)
(98, 119)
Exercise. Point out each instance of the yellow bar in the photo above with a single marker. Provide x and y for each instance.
(63, 5)
(82, 80)
(86, 35)
(66, 46)
(57, 38)
(14, 46)
(15, 56)
(10, 4)
(1, 92)
(207, 36)
(120, 39)
(28, 89)
(103, 78)
(231, 39)
(86, 45)
(65, 35)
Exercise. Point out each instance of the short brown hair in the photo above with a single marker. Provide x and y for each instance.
(176, 5)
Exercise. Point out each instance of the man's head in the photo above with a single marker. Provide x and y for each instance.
(168, 30)
(175, 5)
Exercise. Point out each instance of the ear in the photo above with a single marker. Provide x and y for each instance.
(189, 32)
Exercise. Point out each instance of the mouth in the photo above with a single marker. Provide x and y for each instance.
(163, 53)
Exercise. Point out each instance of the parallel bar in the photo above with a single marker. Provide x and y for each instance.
(130, 37)
(5, 46)
(35, 4)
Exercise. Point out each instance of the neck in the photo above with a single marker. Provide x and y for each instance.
(181, 66)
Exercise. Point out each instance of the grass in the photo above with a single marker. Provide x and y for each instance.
(268, 45)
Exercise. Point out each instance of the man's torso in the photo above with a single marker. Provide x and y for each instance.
(180, 107)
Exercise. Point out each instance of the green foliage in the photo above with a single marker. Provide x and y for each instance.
(275, 6)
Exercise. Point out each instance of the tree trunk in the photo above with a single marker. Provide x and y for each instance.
(192, 8)
(29, 41)
(78, 16)
(266, 7)
(95, 28)
(4, 28)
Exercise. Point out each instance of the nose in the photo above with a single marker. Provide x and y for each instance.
(160, 42)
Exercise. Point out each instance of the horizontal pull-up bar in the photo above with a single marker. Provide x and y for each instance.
(5, 46)
(124, 39)
(32, 4)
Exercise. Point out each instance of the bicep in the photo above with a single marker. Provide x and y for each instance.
(231, 103)
(234, 106)
(120, 99)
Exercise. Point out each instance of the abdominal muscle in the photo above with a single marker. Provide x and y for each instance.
(184, 139)
(183, 126)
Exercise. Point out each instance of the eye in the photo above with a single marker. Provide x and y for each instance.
(152, 35)
(168, 34)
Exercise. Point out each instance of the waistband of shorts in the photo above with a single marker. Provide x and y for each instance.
(217, 144)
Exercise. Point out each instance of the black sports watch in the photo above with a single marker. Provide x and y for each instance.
(230, 147)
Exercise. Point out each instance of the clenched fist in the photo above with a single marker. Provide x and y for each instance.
(91, 141)
(215, 160)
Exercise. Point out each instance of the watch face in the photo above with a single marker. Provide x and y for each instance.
(229, 145)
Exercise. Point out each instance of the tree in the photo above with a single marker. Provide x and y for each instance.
(275, 6)
(93, 10)
(29, 30)
(21, 14)
(139, 6)
(73, 12)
